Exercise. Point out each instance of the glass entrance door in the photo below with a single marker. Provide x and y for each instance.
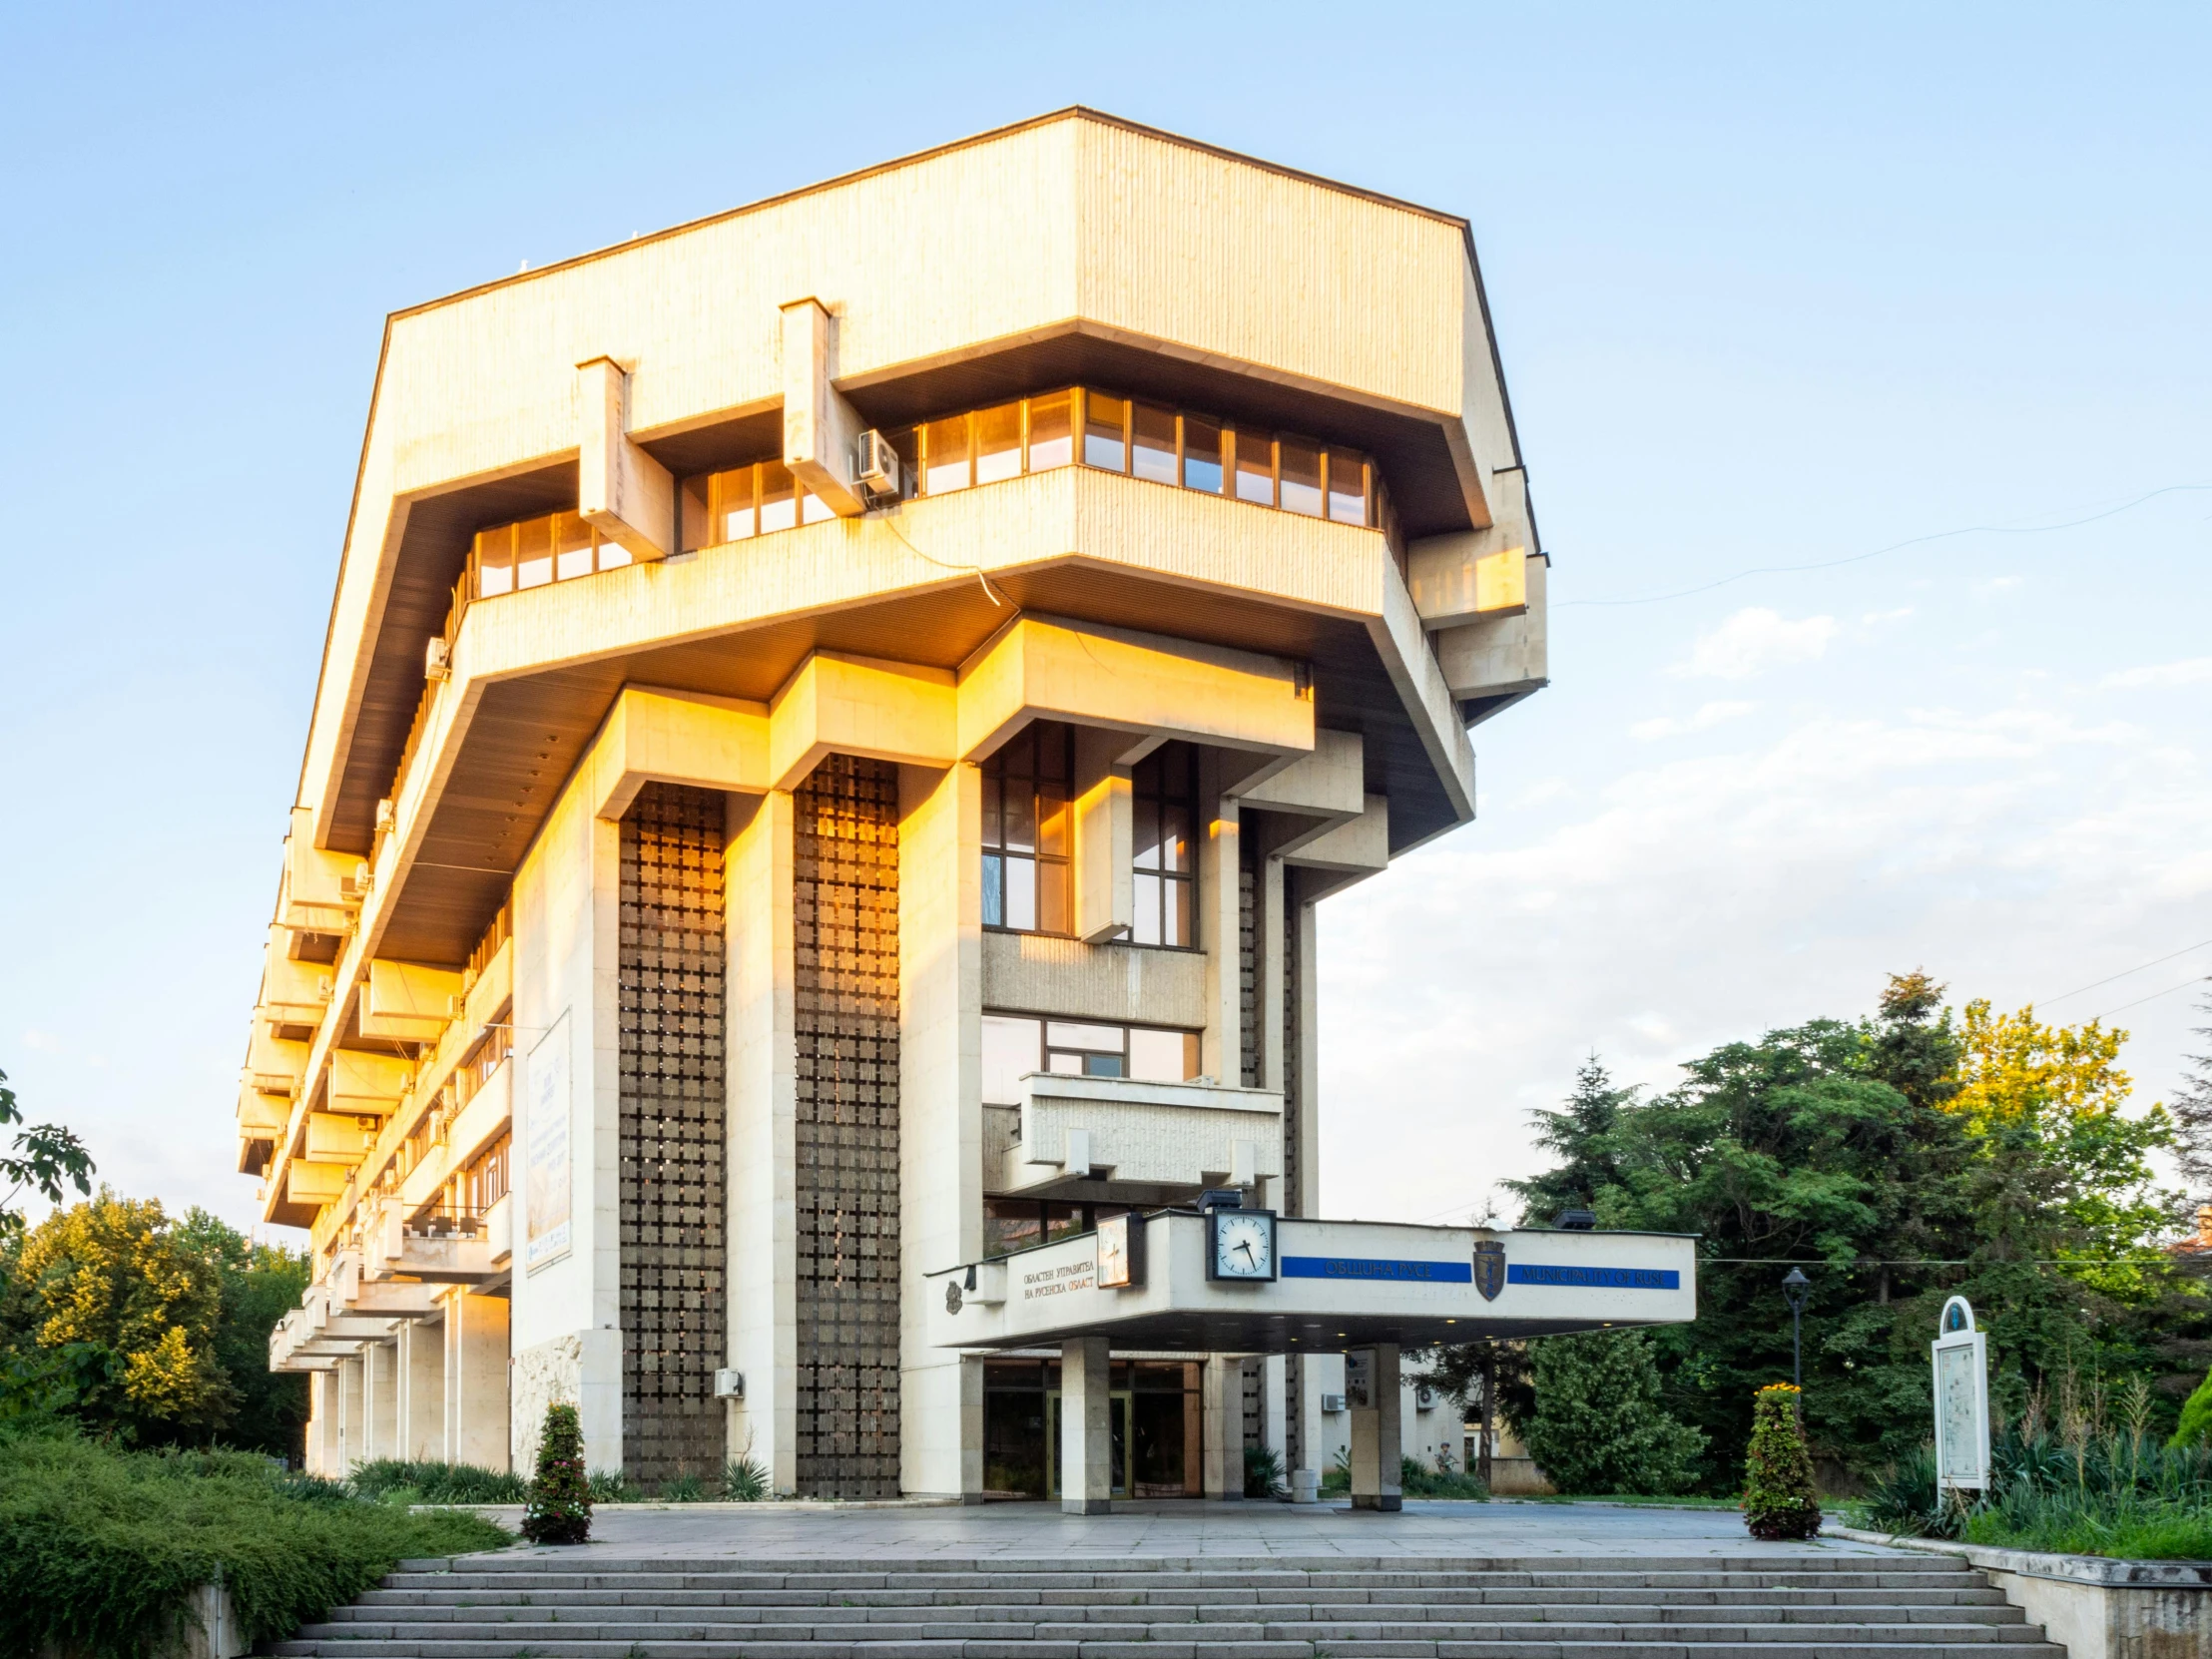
(1118, 1409)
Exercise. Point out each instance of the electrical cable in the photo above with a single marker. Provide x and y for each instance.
(2046, 1002)
(2153, 998)
(989, 592)
(1895, 546)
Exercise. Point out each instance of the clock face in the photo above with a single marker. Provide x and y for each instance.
(1244, 1243)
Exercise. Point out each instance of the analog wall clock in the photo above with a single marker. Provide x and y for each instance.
(1239, 1244)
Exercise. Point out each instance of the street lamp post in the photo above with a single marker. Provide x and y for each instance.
(1793, 1289)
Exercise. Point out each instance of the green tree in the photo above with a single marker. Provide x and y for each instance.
(1581, 1135)
(259, 1284)
(1596, 1423)
(46, 1159)
(559, 1509)
(110, 1310)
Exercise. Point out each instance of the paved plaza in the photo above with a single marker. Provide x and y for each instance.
(1304, 1534)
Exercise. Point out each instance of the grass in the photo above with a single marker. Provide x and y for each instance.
(102, 1550)
(397, 1482)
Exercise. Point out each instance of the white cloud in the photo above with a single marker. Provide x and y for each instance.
(1875, 618)
(1753, 641)
(2190, 672)
(1708, 716)
(1997, 584)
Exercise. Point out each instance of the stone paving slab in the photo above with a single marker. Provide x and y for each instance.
(1181, 1530)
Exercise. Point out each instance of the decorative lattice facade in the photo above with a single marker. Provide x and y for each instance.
(845, 907)
(671, 1133)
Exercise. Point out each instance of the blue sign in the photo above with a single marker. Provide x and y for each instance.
(1360, 1267)
(1592, 1278)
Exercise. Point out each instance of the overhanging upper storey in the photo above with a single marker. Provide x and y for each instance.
(1075, 251)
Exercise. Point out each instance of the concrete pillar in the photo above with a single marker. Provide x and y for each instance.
(1305, 1400)
(476, 1381)
(380, 1399)
(760, 979)
(346, 1384)
(1275, 1409)
(1086, 1426)
(323, 1454)
(1376, 1441)
(422, 1390)
(1221, 905)
(940, 1114)
(1222, 1412)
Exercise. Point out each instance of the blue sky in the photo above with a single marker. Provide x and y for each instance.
(1772, 288)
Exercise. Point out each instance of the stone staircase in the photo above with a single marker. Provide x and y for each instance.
(1806, 1605)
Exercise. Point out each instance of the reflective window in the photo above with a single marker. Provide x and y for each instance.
(1348, 487)
(1151, 442)
(779, 497)
(535, 552)
(1027, 886)
(1202, 441)
(1105, 432)
(1298, 469)
(1015, 1046)
(1255, 468)
(1051, 431)
(998, 443)
(944, 455)
(1164, 791)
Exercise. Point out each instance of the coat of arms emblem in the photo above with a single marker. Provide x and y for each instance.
(1489, 1269)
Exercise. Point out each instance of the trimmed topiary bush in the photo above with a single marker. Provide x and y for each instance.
(560, 1491)
(1779, 1501)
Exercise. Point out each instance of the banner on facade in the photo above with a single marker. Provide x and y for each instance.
(549, 1180)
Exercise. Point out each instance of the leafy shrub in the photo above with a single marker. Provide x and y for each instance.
(2195, 1428)
(1418, 1480)
(744, 1480)
(615, 1486)
(1597, 1425)
(559, 1509)
(685, 1488)
(102, 1550)
(1779, 1499)
(399, 1479)
(1263, 1472)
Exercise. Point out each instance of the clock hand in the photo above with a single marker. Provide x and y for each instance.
(1245, 1245)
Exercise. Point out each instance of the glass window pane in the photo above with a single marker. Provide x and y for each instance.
(1064, 1065)
(495, 561)
(1011, 1224)
(730, 504)
(1147, 926)
(535, 553)
(1103, 1039)
(995, 891)
(812, 509)
(992, 788)
(1103, 439)
(1053, 743)
(1018, 824)
(1144, 836)
(1151, 442)
(1102, 1065)
(1063, 1221)
(1051, 431)
(998, 443)
(1156, 1057)
(1052, 822)
(779, 497)
(1052, 899)
(1010, 1048)
(1202, 455)
(1021, 894)
(945, 455)
(571, 547)
(1301, 476)
(1348, 487)
(1190, 1056)
(1174, 838)
(612, 554)
(1175, 918)
(1256, 467)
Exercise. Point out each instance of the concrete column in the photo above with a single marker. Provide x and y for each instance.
(324, 1456)
(1376, 1442)
(346, 1384)
(1220, 905)
(421, 1375)
(940, 1114)
(1275, 1409)
(1305, 1402)
(380, 1404)
(760, 1025)
(476, 1382)
(1222, 1412)
(1086, 1426)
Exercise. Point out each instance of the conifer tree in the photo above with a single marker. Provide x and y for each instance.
(560, 1492)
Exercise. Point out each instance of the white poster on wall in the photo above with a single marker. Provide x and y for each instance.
(549, 1176)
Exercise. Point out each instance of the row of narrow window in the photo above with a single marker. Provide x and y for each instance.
(1077, 424)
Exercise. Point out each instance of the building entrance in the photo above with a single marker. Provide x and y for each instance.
(1154, 1414)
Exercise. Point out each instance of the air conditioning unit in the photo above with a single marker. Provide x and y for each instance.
(1331, 1402)
(876, 467)
(728, 1383)
(437, 660)
(1425, 1397)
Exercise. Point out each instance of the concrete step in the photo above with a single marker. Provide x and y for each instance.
(1280, 1603)
(1545, 1647)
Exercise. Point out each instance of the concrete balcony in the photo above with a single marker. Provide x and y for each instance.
(441, 1246)
(1133, 1142)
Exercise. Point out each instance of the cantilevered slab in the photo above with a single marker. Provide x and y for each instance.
(1344, 1284)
